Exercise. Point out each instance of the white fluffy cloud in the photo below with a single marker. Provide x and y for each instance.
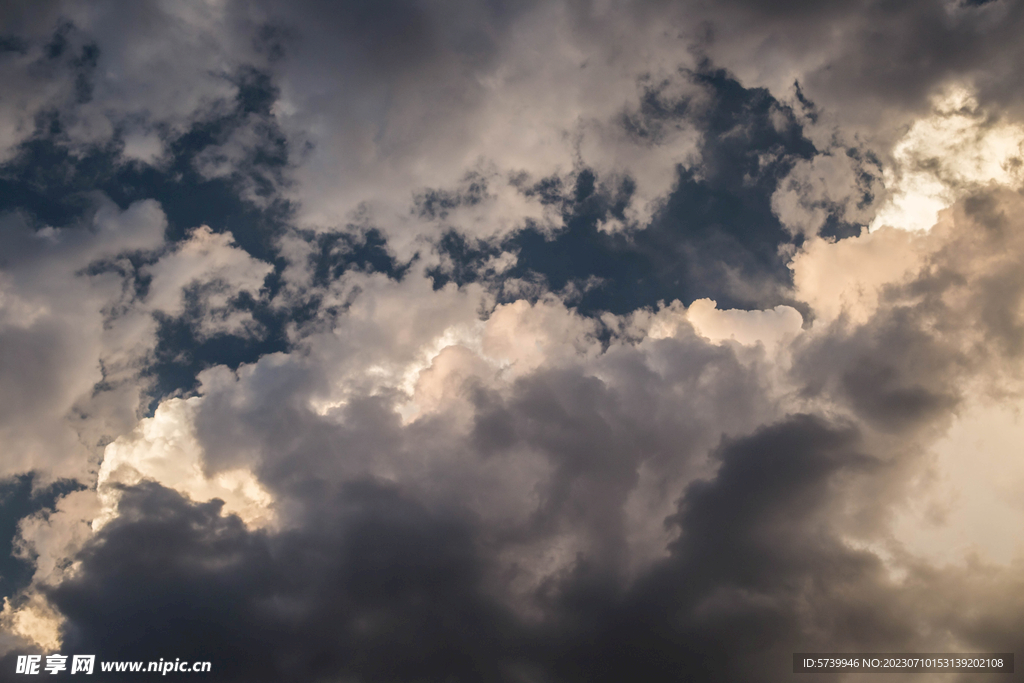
(211, 268)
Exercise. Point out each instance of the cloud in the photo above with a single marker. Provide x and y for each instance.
(99, 70)
(945, 155)
(837, 184)
(162, 449)
(206, 273)
(379, 571)
(61, 336)
(846, 278)
(771, 328)
(559, 342)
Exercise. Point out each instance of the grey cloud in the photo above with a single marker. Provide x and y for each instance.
(609, 501)
(378, 586)
(762, 563)
(755, 562)
(586, 426)
(895, 374)
(63, 351)
(954, 322)
(863, 59)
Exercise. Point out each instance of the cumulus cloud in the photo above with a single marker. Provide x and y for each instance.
(571, 341)
(206, 273)
(955, 150)
(62, 337)
(162, 448)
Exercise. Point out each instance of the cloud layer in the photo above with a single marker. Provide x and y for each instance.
(570, 341)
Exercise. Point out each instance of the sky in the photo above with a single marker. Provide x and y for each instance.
(532, 342)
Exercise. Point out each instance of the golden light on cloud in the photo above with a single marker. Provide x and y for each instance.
(959, 147)
(164, 448)
(35, 621)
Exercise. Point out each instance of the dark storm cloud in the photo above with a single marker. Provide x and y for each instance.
(728, 604)
(895, 374)
(378, 587)
(899, 52)
(763, 565)
(397, 37)
(596, 437)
